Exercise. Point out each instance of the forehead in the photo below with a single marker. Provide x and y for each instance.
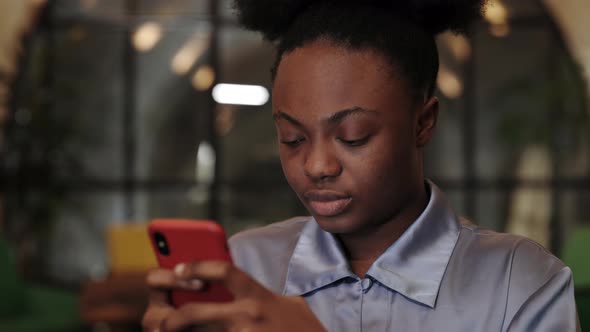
(325, 77)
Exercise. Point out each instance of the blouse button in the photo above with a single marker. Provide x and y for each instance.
(366, 284)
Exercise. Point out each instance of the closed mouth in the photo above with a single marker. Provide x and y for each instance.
(327, 203)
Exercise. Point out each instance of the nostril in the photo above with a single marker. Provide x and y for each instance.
(324, 173)
(321, 164)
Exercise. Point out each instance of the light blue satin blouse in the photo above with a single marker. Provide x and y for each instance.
(442, 274)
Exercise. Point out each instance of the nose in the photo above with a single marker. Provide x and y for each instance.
(321, 163)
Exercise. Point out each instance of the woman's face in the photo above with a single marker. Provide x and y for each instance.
(350, 136)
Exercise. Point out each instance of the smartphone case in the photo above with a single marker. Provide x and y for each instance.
(188, 241)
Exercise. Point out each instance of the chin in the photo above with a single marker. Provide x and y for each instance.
(337, 224)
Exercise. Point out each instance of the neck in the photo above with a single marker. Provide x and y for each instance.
(363, 247)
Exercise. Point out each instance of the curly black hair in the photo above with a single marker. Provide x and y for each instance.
(402, 30)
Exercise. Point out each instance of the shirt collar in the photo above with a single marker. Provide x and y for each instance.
(413, 266)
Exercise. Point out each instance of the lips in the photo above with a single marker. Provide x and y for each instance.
(327, 203)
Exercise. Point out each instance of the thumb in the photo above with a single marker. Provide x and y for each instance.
(240, 284)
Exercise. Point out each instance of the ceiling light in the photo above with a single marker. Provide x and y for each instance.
(203, 78)
(496, 13)
(146, 36)
(449, 83)
(186, 57)
(458, 45)
(500, 30)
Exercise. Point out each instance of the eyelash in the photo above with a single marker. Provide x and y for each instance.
(350, 143)
(293, 143)
(355, 142)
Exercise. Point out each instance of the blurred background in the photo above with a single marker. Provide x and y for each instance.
(116, 112)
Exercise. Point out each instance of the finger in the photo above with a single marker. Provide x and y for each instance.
(204, 313)
(164, 279)
(160, 283)
(242, 325)
(209, 328)
(235, 280)
(161, 279)
(153, 317)
(158, 298)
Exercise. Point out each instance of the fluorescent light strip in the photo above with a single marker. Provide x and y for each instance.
(239, 94)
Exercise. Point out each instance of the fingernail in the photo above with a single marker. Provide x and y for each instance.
(179, 269)
(194, 284)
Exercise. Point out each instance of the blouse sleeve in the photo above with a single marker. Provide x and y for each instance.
(551, 308)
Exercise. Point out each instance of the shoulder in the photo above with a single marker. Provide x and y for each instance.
(516, 268)
(527, 260)
(265, 252)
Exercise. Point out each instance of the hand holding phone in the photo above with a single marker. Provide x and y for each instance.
(201, 247)
(255, 308)
(177, 241)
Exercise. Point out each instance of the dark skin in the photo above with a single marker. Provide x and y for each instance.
(351, 137)
(346, 125)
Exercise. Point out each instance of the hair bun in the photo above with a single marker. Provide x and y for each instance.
(438, 16)
(270, 17)
(274, 17)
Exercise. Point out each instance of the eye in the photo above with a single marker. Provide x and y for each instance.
(354, 142)
(293, 142)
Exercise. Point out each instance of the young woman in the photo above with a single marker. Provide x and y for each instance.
(382, 250)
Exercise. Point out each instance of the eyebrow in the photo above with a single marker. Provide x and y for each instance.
(332, 119)
(282, 115)
(343, 114)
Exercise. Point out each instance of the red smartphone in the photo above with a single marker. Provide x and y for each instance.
(182, 240)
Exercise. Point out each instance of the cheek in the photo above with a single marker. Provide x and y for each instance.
(291, 167)
(381, 166)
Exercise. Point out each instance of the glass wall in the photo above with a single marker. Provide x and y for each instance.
(113, 123)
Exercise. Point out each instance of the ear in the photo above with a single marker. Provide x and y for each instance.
(427, 116)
